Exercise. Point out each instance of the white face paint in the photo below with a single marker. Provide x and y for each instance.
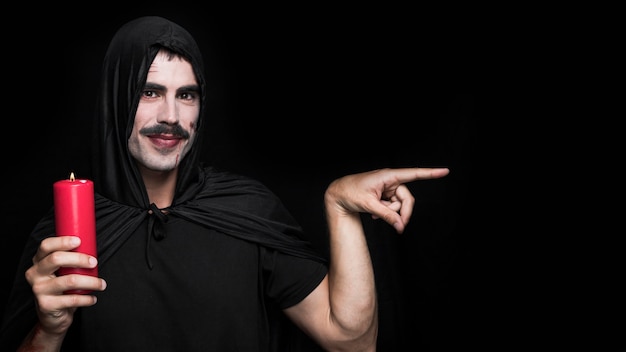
(167, 114)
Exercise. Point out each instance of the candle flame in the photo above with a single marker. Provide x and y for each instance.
(72, 177)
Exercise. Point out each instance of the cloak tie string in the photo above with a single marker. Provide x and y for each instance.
(155, 229)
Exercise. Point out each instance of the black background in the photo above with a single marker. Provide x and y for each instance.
(303, 95)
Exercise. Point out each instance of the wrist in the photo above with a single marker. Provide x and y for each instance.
(41, 340)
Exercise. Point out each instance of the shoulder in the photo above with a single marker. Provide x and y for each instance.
(216, 179)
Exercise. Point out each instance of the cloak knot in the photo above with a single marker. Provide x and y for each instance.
(156, 221)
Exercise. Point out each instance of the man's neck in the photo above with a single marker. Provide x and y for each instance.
(160, 186)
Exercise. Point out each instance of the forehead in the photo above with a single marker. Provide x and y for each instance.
(171, 68)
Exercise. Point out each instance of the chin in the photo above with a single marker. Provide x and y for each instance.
(160, 167)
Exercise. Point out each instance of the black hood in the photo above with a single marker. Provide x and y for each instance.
(124, 72)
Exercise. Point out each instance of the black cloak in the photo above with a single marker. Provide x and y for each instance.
(213, 198)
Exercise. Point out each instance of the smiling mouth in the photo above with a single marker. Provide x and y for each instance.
(165, 140)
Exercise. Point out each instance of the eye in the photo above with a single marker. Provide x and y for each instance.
(188, 96)
(149, 94)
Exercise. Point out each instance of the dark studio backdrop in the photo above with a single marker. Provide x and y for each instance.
(302, 97)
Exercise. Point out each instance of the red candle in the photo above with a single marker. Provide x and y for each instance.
(74, 214)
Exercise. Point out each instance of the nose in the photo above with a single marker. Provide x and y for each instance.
(168, 113)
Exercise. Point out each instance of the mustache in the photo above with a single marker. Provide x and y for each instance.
(175, 130)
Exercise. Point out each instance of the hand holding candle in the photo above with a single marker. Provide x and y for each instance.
(74, 211)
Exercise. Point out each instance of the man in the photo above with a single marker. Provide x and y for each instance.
(193, 258)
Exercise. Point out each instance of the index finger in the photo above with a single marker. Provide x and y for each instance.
(56, 243)
(420, 173)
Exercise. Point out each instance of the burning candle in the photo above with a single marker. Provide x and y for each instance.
(74, 215)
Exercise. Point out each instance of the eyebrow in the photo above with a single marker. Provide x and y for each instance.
(153, 86)
(189, 88)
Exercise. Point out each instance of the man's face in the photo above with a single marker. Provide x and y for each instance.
(165, 123)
